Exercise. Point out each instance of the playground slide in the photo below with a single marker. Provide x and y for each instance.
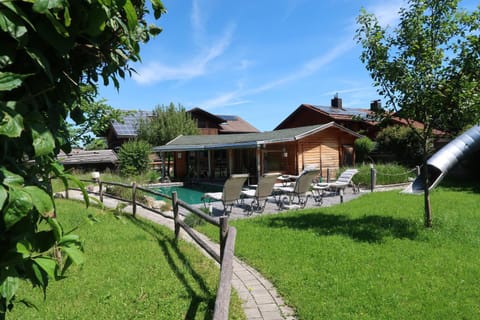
(444, 159)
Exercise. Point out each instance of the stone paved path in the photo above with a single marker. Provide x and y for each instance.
(260, 299)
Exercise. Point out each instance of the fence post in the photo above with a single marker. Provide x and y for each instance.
(100, 190)
(328, 175)
(134, 198)
(373, 178)
(223, 236)
(175, 214)
(66, 192)
(341, 195)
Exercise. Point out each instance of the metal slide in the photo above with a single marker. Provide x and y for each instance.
(444, 159)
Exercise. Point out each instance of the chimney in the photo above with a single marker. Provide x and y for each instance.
(336, 102)
(376, 106)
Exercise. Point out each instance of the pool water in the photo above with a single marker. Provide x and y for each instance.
(191, 194)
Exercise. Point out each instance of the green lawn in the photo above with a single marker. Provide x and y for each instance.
(133, 270)
(371, 258)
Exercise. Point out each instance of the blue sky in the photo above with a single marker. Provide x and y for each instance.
(256, 59)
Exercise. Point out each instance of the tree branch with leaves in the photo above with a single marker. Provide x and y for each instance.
(48, 50)
(424, 70)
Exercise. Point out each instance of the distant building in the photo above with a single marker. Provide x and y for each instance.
(96, 160)
(209, 124)
(355, 119)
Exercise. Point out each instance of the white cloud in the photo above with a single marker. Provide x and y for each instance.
(195, 67)
(312, 66)
(387, 12)
(308, 68)
(225, 99)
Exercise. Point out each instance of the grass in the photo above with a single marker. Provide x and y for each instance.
(371, 258)
(133, 270)
(386, 174)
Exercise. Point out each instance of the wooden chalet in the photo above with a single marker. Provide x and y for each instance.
(288, 151)
(358, 120)
(209, 124)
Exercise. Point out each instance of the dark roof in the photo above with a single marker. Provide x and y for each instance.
(207, 114)
(245, 140)
(334, 113)
(227, 123)
(235, 124)
(88, 157)
(128, 129)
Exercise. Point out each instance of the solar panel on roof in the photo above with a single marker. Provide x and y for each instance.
(228, 117)
(129, 125)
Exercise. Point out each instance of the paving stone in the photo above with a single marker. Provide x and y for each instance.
(252, 312)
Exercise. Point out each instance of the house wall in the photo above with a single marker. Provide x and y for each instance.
(208, 131)
(324, 150)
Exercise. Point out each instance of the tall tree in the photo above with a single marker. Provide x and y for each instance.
(48, 50)
(426, 68)
(166, 123)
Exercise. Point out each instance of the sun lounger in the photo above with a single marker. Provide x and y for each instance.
(300, 190)
(230, 194)
(261, 193)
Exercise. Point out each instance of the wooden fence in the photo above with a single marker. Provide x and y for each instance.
(226, 232)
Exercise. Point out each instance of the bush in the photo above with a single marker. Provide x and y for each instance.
(403, 142)
(133, 157)
(363, 146)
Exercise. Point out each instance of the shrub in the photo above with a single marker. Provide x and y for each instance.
(401, 141)
(363, 146)
(133, 157)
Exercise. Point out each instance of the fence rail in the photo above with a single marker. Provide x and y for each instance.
(227, 234)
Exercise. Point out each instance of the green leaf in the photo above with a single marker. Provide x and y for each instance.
(80, 185)
(40, 6)
(41, 200)
(66, 17)
(39, 275)
(97, 18)
(41, 60)
(9, 288)
(131, 15)
(11, 122)
(69, 238)
(154, 30)
(10, 179)
(3, 196)
(43, 141)
(75, 254)
(158, 8)
(11, 24)
(48, 265)
(10, 80)
(24, 248)
(18, 207)
(56, 227)
(7, 55)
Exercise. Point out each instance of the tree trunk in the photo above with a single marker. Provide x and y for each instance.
(426, 195)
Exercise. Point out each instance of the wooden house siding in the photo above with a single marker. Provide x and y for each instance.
(208, 131)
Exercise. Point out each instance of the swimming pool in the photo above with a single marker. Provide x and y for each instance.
(191, 194)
